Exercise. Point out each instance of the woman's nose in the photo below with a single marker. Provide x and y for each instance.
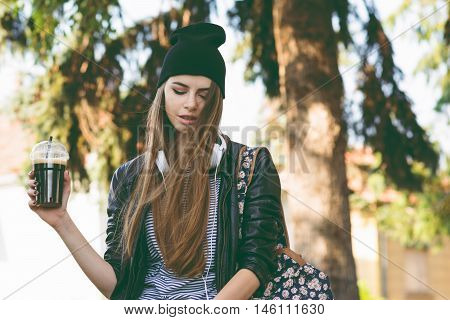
(191, 102)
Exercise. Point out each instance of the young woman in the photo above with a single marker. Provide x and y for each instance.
(172, 230)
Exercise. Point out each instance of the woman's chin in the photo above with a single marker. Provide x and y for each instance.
(185, 127)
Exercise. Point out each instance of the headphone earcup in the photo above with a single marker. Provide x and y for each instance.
(216, 156)
(161, 161)
(218, 151)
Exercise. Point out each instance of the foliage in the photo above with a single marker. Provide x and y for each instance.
(82, 97)
(388, 123)
(416, 219)
(434, 30)
(364, 292)
(85, 50)
(255, 18)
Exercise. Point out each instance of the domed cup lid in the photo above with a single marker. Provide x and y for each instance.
(49, 151)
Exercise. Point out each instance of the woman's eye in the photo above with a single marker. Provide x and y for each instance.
(181, 93)
(178, 92)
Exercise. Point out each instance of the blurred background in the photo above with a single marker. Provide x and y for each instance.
(350, 96)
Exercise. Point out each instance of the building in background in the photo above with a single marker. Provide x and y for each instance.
(387, 268)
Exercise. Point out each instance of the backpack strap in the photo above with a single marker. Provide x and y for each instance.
(244, 174)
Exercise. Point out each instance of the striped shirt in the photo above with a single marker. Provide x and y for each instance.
(163, 284)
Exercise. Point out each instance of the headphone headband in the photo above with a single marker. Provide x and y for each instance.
(218, 151)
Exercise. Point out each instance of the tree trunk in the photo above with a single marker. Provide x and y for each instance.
(312, 90)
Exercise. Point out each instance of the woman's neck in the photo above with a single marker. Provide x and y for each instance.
(181, 141)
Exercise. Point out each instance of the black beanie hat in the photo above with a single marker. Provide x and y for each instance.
(194, 51)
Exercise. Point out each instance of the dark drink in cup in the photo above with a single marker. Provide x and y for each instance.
(50, 178)
(49, 160)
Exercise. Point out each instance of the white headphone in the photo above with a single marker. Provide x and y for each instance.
(218, 151)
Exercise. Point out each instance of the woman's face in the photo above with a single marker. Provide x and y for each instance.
(185, 97)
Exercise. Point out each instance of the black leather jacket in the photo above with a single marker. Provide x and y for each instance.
(255, 252)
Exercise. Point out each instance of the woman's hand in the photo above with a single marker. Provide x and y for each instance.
(55, 217)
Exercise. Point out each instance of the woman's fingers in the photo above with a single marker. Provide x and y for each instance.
(32, 204)
(32, 193)
(32, 183)
(32, 190)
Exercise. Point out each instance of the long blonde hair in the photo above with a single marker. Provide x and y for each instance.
(180, 214)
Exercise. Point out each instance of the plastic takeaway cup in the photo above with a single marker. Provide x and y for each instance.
(49, 160)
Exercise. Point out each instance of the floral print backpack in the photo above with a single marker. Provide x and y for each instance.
(294, 278)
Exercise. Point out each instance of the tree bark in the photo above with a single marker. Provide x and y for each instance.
(312, 92)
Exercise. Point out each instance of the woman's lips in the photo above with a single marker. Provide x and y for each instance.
(185, 121)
